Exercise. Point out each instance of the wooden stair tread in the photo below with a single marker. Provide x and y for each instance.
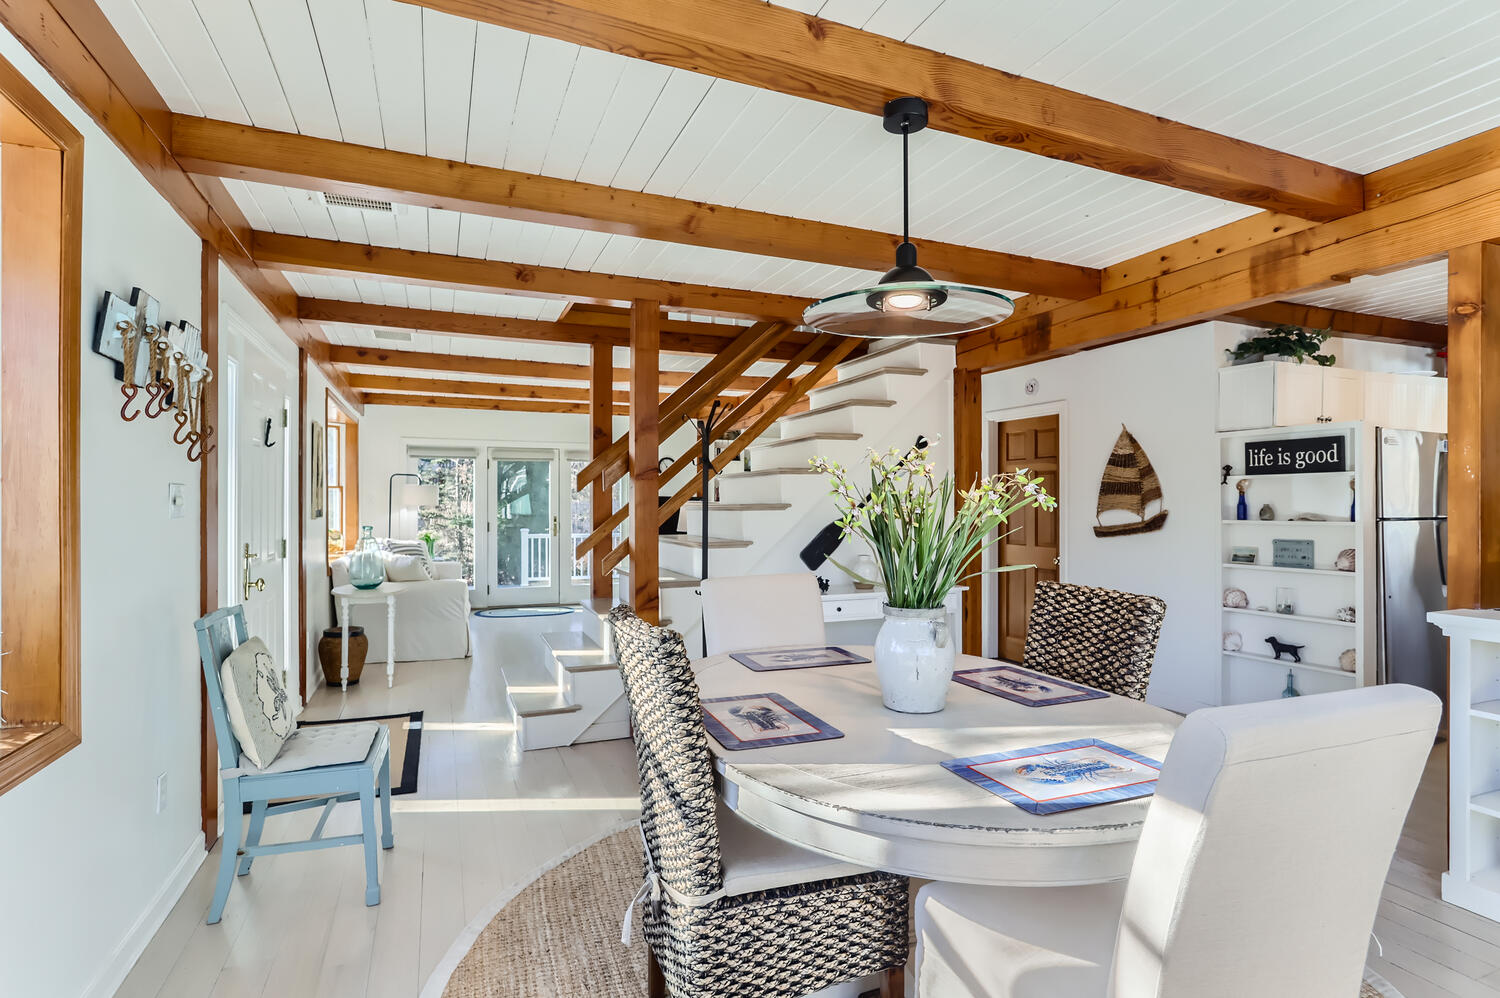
(768, 472)
(845, 404)
(805, 437)
(540, 704)
(879, 372)
(743, 507)
(696, 541)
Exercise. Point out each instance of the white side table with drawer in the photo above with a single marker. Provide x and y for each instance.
(844, 602)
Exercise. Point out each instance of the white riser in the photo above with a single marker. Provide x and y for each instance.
(796, 455)
(884, 387)
(837, 421)
(794, 489)
(932, 356)
(594, 627)
(721, 561)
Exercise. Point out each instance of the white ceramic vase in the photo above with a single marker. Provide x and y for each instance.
(914, 656)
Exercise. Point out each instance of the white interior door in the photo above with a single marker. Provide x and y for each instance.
(259, 457)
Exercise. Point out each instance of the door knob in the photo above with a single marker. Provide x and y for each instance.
(1057, 561)
(259, 585)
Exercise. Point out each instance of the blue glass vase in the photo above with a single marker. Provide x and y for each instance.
(1291, 687)
(366, 569)
(1242, 509)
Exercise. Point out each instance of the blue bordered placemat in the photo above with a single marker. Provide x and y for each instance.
(1061, 776)
(1031, 689)
(753, 720)
(778, 659)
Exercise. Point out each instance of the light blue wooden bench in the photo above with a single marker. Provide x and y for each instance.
(220, 633)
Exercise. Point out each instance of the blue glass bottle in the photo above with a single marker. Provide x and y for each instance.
(1291, 689)
(366, 569)
(1242, 509)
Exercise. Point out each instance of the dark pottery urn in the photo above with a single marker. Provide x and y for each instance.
(328, 653)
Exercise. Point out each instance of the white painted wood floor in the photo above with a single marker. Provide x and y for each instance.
(486, 817)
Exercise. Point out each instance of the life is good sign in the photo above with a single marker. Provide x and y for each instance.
(1298, 455)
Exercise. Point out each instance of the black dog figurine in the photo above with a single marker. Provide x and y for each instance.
(1281, 646)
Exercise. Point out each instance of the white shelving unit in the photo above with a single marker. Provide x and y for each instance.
(1252, 673)
(1473, 877)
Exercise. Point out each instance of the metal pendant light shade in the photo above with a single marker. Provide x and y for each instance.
(908, 303)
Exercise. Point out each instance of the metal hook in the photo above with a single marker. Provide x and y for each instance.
(130, 392)
(269, 441)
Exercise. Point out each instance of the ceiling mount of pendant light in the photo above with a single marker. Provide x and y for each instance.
(907, 303)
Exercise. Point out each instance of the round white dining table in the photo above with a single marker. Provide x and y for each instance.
(878, 797)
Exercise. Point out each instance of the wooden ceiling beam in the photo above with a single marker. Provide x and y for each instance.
(244, 152)
(498, 367)
(678, 336)
(783, 50)
(1400, 232)
(1340, 322)
(305, 255)
(480, 404)
(483, 389)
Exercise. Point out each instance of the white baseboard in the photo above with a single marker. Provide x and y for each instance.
(114, 971)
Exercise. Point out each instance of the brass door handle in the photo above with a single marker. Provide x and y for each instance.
(259, 585)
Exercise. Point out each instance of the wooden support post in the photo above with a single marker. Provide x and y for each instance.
(645, 346)
(601, 410)
(208, 539)
(1473, 413)
(968, 466)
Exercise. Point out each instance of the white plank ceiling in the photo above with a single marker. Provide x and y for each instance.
(1356, 83)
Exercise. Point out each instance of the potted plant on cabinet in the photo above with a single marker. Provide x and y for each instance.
(922, 546)
(1284, 342)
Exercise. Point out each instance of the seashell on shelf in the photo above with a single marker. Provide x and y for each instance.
(1345, 561)
(1347, 660)
(1346, 614)
(1233, 641)
(1236, 599)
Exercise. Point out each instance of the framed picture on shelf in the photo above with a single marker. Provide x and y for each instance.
(1240, 555)
(1289, 553)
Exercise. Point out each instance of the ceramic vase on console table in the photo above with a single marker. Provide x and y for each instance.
(923, 547)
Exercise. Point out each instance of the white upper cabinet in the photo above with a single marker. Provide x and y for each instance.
(1277, 393)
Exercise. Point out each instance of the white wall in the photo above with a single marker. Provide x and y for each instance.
(1165, 389)
(83, 857)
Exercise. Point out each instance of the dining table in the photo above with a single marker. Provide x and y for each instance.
(879, 797)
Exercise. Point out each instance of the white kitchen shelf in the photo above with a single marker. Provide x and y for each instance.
(1293, 571)
(1332, 670)
(1486, 803)
(1293, 523)
(1487, 709)
(1290, 616)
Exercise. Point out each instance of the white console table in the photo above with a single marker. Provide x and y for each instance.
(844, 602)
(1473, 877)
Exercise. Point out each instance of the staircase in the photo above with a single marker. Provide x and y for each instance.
(763, 519)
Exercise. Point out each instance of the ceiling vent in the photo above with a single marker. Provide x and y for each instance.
(393, 335)
(347, 201)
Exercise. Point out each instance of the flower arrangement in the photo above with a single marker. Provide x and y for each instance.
(429, 538)
(907, 518)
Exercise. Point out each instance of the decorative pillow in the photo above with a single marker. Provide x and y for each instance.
(405, 568)
(260, 712)
(415, 549)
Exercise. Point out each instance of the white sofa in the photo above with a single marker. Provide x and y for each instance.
(432, 618)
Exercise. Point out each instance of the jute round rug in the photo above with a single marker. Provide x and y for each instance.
(559, 935)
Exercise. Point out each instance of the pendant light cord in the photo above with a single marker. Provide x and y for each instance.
(905, 185)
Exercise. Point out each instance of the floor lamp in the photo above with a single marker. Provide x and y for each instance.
(418, 496)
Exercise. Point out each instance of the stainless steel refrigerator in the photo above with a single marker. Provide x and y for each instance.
(1411, 509)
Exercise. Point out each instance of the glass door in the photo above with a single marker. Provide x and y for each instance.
(524, 527)
(576, 571)
(451, 520)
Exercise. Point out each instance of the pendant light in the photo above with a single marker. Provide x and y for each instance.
(907, 303)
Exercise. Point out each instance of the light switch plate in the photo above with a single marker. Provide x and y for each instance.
(176, 500)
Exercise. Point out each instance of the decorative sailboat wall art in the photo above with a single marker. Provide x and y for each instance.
(1130, 485)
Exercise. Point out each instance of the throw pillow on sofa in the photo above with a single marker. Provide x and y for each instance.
(260, 712)
(414, 549)
(405, 568)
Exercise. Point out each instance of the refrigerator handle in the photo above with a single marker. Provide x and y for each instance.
(1442, 555)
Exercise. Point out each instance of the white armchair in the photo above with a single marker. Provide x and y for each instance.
(432, 618)
(1258, 872)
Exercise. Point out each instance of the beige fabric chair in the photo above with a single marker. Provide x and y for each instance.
(1258, 872)
(744, 612)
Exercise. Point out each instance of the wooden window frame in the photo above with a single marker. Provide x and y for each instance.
(348, 428)
(39, 293)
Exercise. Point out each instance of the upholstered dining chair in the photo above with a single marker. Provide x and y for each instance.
(744, 612)
(309, 770)
(730, 911)
(1099, 637)
(1259, 868)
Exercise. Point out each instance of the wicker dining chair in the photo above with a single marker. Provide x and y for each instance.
(1099, 637)
(731, 912)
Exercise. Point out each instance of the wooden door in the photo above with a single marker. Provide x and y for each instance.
(1033, 538)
